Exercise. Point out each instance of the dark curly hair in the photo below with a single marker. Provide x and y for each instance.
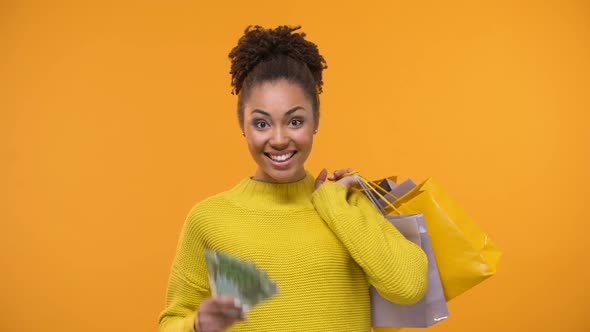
(264, 55)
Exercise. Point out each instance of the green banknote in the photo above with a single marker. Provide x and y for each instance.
(231, 276)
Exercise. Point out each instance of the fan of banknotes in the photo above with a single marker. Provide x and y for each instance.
(231, 276)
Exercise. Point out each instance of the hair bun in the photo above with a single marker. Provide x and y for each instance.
(259, 44)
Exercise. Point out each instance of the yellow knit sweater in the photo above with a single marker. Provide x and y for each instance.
(323, 249)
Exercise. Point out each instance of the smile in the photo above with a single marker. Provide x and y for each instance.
(281, 157)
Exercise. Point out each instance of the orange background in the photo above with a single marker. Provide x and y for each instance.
(117, 117)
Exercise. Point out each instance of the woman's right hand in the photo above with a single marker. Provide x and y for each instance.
(218, 313)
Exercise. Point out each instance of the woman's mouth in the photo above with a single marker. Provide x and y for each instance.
(280, 159)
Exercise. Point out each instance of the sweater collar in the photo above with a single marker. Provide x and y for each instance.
(275, 196)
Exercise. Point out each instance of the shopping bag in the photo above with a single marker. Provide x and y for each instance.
(432, 308)
(388, 191)
(464, 253)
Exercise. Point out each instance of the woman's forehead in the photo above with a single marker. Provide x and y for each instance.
(281, 96)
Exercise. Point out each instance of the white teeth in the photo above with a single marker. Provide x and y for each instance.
(281, 157)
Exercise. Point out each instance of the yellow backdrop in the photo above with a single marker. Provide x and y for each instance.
(117, 117)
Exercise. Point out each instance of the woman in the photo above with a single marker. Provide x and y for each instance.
(322, 242)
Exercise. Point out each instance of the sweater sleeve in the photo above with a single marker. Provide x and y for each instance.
(396, 267)
(188, 283)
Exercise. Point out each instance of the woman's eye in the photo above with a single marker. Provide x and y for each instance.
(261, 124)
(296, 122)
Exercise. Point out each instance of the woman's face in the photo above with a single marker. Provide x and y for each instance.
(279, 127)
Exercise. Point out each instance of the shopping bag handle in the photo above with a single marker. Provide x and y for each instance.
(369, 195)
(374, 187)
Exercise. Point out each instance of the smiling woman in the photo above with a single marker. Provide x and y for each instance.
(321, 241)
(279, 127)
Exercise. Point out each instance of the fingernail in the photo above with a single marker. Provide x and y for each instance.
(244, 313)
(237, 303)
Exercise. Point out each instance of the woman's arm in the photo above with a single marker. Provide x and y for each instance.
(189, 305)
(188, 283)
(397, 268)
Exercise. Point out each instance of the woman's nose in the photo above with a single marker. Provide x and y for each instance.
(278, 139)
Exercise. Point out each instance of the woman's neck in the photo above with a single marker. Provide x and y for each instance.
(262, 176)
(263, 195)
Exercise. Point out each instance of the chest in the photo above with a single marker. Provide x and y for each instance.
(284, 242)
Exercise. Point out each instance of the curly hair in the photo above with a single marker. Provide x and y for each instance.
(264, 55)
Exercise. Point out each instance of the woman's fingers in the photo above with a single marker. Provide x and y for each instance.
(347, 181)
(218, 313)
(339, 173)
(338, 176)
(321, 178)
(226, 302)
(230, 307)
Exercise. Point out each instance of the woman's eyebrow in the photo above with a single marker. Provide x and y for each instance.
(289, 112)
(261, 112)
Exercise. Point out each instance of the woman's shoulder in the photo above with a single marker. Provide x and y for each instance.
(212, 203)
(207, 212)
(221, 201)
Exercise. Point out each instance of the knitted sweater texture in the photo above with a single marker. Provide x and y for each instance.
(323, 248)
